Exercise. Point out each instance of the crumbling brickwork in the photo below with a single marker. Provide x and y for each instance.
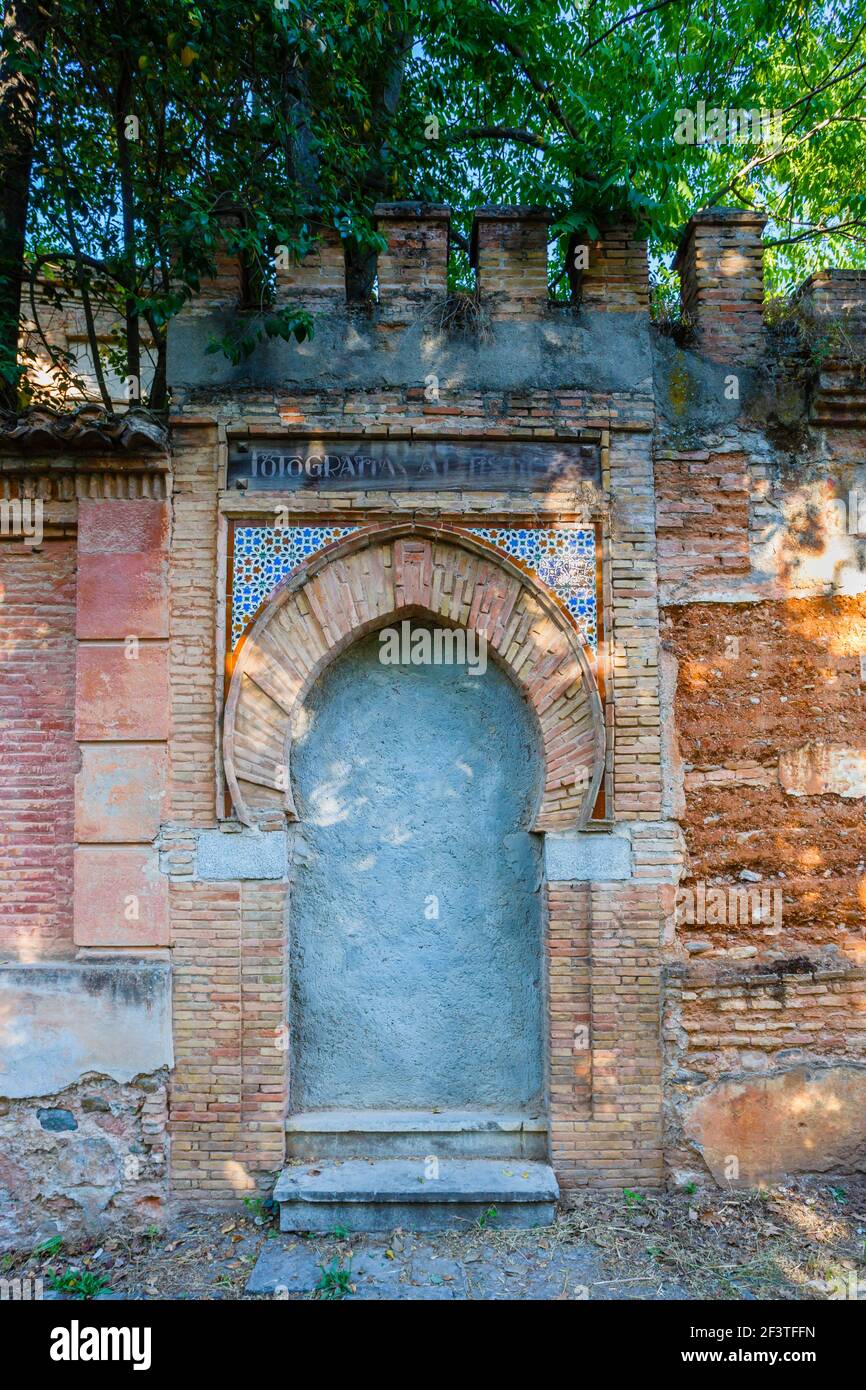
(763, 626)
(721, 271)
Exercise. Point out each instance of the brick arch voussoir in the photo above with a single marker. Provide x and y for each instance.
(383, 574)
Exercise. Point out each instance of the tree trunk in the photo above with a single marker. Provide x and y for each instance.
(385, 98)
(158, 398)
(81, 280)
(24, 31)
(127, 200)
(302, 156)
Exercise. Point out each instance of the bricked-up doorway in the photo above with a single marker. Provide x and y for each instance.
(384, 574)
(416, 978)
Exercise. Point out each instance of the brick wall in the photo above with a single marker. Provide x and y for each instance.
(617, 276)
(229, 1091)
(633, 583)
(569, 1001)
(765, 1073)
(743, 1024)
(605, 1101)
(193, 618)
(509, 252)
(604, 939)
(229, 1088)
(742, 751)
(121, 722)
(764, 627)
(229, 1096)
(38, 749)
(702, 515)
(416, 261)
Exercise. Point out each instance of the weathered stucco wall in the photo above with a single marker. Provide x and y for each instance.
(85, 1054)
(60, 1021)
(83, 1158)
(415, 918)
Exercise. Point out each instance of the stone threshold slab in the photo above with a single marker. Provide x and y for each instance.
(457, 1180)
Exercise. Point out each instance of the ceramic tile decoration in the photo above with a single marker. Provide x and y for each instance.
(563, 558)
(263, 555)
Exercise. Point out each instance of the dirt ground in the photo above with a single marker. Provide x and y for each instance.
(803, 1240)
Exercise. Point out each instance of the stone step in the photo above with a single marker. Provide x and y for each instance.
(382, 1194)
(323, 1134)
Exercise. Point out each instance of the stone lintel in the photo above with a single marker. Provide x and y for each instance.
(241, 854)
(581, 858)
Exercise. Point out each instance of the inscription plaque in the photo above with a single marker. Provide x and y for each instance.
(340, 465)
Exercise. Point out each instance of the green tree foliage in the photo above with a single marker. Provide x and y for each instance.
(151, 134)
(594, 117)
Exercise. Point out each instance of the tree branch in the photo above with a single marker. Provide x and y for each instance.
(542, 88)
(499, 132)
(841, 229)
(625, 19)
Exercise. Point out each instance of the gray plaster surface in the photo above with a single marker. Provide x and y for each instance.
(73, 1018)
(241, 854)
(694, 393)
(415, 921)
(572, 858)
(348, 348)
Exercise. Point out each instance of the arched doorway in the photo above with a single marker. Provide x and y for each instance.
(385, 574)
(416, 976)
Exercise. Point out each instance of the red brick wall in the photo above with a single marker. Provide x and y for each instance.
(702, 515)
(37, 747)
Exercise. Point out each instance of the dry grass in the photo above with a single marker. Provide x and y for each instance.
(462, 314)
(792, 1241)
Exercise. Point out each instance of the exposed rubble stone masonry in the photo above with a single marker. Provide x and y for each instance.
(90, 1155)
(701, 771)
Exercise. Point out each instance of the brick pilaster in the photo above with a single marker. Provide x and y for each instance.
(720, 262)
(617, 277)
(509, 252)
(121, 722)
(415, 264)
